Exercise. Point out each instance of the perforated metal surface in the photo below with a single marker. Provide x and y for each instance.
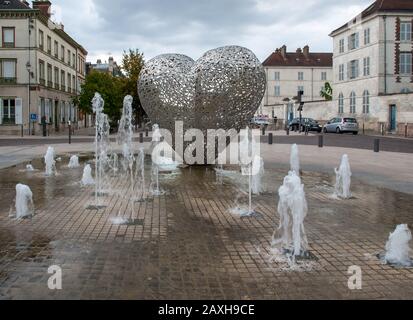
(222, 90)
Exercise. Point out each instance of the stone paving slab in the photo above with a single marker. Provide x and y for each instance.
(189, 246)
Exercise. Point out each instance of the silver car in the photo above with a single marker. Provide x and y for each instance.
(341, 125)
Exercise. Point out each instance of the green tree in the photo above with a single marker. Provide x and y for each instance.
(111, 90)
(132, 64)
(327, 92)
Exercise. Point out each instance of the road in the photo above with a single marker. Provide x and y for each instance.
(348, 141)
(389, 144)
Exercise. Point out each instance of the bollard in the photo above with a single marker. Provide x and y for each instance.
(263, 131)
(270, 138)
(376, 145)
(22, 131)
(140, 137)
(320, 141)
(70, 133)
(146, 133)
(287, 131)
(405, 130)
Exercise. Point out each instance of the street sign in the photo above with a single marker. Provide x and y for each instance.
(33, 117)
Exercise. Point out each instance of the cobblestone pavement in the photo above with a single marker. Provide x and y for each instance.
(186, 244)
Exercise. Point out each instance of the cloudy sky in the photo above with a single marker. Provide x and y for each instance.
(107, 27)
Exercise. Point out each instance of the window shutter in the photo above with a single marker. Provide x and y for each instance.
(357, 68)
(1, 111)
(19, 111)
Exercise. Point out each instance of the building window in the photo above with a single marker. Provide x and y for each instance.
(405, 63)
(277, 91)
(353, 69)
(73, 84)
(323, 76)
(73, 60)
(366, 63)
(63, 81)
(56, 49)
(353, 41)
(49, 75)
(341, 72)
(69, 56)
(8, 70)
(49, 45)
(353, 102)
(62, 53)
(8, 36)
(276, 76)
(69, 81)
(340, 103)
(56, 79)
(406, 31)
(41, 40)
(341, 45)
(42, 79)
(301, 76)
(9, 111)
(367, 36)
(366, 102)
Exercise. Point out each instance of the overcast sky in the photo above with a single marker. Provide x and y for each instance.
(191, 27)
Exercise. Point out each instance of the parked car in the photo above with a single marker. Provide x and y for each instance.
(342, 125)
(305, 122)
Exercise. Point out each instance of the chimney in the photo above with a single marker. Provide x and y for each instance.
(284, 52)
(299, 50)
(99, 61)
(307, 52)
(43, 6)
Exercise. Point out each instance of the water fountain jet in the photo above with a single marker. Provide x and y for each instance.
(24, 202)
(50, 162)
(343, 179)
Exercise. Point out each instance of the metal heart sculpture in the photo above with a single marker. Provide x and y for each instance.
(222, 90)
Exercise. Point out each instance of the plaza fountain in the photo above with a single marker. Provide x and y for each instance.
(343, 179)
(24, 201)
(50, 162)
(125, 134)
(156, 160)
(246, 159)
(295, 159)
(140, 171)
(74, 162)
(87, 178)
(101, 147)
(292, 209)
(397, 247)
(258, 174)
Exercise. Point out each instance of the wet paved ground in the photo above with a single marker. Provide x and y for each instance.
(188, 245)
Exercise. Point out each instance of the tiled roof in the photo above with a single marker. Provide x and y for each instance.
(12, 5)
(298, 59)
(383, 6)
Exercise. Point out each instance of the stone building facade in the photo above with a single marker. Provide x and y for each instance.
(373, 58)
(42, 69)
(290, 72)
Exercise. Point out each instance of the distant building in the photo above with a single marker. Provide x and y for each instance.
(110, 67)
(290, 72)
(42, 69)
(373, 74)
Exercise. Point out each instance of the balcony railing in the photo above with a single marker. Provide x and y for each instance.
(69, 89)
(57, 86)
(8, 45)
(42, 82)
(50, 84)
(8, 80)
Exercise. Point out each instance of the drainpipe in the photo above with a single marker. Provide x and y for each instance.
(385, 54)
